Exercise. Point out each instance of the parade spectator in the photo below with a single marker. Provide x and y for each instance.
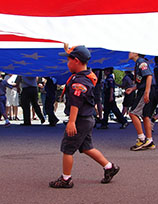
(3, 85)
(29, 96)
(51, 88)
(12, 96)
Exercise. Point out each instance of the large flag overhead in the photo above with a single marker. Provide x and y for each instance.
(118, 25)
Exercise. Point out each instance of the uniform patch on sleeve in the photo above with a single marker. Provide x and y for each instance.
(143, 66)
(79, 88)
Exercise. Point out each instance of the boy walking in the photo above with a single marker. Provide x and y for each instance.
(142, 106)
(80, 108)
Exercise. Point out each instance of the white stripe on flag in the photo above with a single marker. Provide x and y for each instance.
(124, 32)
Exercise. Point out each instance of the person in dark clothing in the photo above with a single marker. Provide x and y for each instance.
(80, 108)
(109, 101)
(154, 107)
(127, 82)
(142, 106)
(98, 95)
(29, 96)
(51, 88)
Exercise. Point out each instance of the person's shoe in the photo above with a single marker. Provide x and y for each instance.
(124, 125)
(109, 173)
(42, 120)
(16, 118)
(7, 124)
(61, 183)
(138, 146)
(102, 127)
(98, 120)
(151, 146)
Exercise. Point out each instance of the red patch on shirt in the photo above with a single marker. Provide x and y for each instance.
(143, 66)
(79, 88)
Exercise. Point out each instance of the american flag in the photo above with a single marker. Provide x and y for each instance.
(42, 25)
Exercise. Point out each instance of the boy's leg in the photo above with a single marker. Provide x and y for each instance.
(67, 164)
(149, 144)
(97, 156)
(137, 123)
(110, 169)
(147, 127)
(65, 180)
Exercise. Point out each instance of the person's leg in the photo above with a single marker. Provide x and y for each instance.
(137, 123)
(25, 103)
(34, 102)
(110, 169)
(124, 110)
(117, 113)
(3, 110)
(147, 127)
(97, 156)
(67, 164)
(104, 122)
(100, 109)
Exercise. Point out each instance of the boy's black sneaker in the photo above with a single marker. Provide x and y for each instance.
(109, 173)
(61, 183)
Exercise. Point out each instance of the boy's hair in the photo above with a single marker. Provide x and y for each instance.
(156, 59)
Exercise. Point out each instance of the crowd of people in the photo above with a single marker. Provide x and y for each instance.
(88, 93)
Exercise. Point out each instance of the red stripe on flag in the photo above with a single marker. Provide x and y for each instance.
(25, 39)
(76, 7)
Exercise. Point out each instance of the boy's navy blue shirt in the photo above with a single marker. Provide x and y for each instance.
(142, 70)
(80, 93)
(108, 84)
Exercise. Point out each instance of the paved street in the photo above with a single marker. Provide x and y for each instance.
(30, 158)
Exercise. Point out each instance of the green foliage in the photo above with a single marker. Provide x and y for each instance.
(118, 76)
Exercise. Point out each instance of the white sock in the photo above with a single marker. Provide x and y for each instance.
(108, 166)
(66, 177)
(141, 137)
(150, 139)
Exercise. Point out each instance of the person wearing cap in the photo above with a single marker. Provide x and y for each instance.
(80, 108)
(109, 101)
(142, 105)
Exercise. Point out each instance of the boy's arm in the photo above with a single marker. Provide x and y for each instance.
(147, 88)
(71, 126)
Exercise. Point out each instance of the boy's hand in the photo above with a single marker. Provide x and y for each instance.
(129, 90)
(71, 129)
(66, 47)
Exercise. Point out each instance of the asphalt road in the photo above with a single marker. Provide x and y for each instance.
(30, 158)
